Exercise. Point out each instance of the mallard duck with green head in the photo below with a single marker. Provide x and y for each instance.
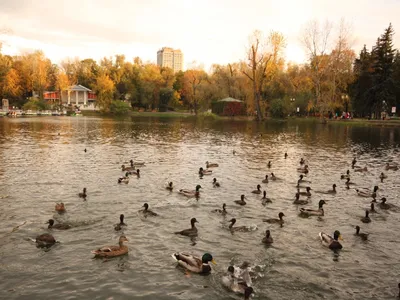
(194, 263)
(203, 172)
(276, 221)
(304, 212)
(192, 231)
(124, 179)
(190, 193)
(331, 242)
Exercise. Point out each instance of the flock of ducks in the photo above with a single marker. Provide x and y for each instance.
(238, 279)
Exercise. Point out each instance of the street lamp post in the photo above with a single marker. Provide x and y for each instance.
(292, 101)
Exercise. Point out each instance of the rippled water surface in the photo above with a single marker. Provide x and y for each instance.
(42, 161)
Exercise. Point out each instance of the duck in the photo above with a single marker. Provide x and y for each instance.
(345, 176)
(57, 226)
(354, 161)
(267, 239)
(276, 221)
(365, 169)
(391, 167)
(332, 191)
(60, 207)
(298, 201)
(313, 212)
(189, 193)
(273, 177)
(382, 176)
(45, 240)
(306, 193)
(124, 179)
(366, 219)
(134, 172)
(399, 290)
(302, 161)
(266, 179)
(221, 211)
(265, 199)
(363, 236)
(348, 182)
(191, 231)
(169, 186)
(83, 194)
(269, 164)
(211, 165)
(147, 212)
(112, 251)
(366, 193)
(241, 201)
(331, 242)
(193, 263)
(235, 284)
(121, 223)
(302, 180)
(204, 172)
(215, 183)
(303, 169)
(137, 163)
(131, 168)
(258, 190)
(384, 205)
(286, 155)
(238, 228)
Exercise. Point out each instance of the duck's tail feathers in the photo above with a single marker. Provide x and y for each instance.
(174, 256)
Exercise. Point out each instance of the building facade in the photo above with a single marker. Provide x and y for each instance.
(76, 96)
(168, 57)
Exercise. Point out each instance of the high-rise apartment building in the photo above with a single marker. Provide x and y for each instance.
(168, 57)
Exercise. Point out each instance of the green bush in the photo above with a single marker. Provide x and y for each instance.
(277, 108)
(35, 104)
(119, 107)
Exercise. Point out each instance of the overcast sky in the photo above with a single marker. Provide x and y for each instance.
(207, 31)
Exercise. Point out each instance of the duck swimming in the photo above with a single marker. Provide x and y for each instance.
(57, 226)
(147, 212)
(384, 205)
(366, 219)
(391, 167)
(346, 176)
(137, 163)
(348, 183)
(298, 201)
(286, 155)
(366, 193)
(266, 179)
(216, 183)
(134, 172)
(276, 221)
(273, 177)
(302, 180)
(363, 236)
(60, 208)
(124, 179)
(382, 176)
(45, 240)
(238, 228)
(191, 231)
(121, 223)
(269, 164)
(241, 201)
(313, 212)
(211, 165)
(204, 172)
(189, 193)
(302, 161)
(83, 194)
(193, 263)
(265, 199)
(332, 191)
(169, 186)
(331, 243)
(112, 251)
(258, 190)
(221, 211)
(306, 193)
(267, 239)
(131, 168)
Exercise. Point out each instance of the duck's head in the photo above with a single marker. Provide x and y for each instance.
(122, 239)
(334, 185)
(206, 258)
(308, 189)
(242, 197)
(193, 220)
(301, 176)
(306, 167)
(224, 207)
(131, 161)
(337, 235)
(137, 171)
(372, 207)
(321, 203)
(265, 194)
(258, 187)
(214, 180)
(146, 206)
(281, 215)
(348, 172)
(170, 184)
(357, 229)
(201, 169)
(50, 222)
(232, 221)
(376, 188)
(127, 174)
(367, 213)
(272, 174)
(123, 167)
(121, 218)
(267, 233)
(383, 200)
(231, 269)
(247, 292)
(84, 190)
(198, 187)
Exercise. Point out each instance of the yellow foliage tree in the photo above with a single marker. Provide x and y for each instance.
(11, 86)
(104, 89)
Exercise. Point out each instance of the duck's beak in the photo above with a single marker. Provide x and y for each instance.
(341, 238)
(213, 261)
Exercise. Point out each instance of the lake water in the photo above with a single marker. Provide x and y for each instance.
(42, 161)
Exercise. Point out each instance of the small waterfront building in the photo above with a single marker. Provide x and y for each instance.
(228, 107)
(76, 96)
